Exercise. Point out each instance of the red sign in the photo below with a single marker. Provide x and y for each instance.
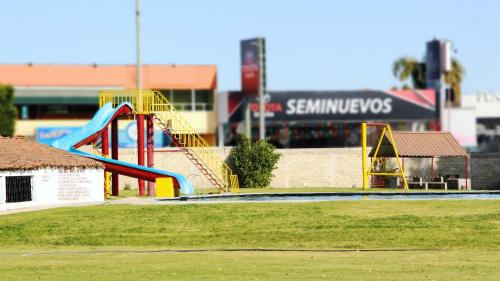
(250, 67)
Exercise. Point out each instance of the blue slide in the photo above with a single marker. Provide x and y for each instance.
(100, 120)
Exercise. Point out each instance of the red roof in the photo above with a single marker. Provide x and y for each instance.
(424, 97)
(153, 76)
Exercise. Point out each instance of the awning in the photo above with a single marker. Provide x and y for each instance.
(420, 144)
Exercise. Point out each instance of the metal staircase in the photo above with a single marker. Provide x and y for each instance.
(196, 149)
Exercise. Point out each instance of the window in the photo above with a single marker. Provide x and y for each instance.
(57, 111)
(185, 100)
(18, 189)
(204, 100)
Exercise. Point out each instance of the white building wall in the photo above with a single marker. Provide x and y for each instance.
(58, 186)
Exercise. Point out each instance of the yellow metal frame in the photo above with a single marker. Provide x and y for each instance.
(369, 171)
(153, 102)
(107, 175)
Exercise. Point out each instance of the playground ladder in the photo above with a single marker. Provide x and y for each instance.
(196, 149)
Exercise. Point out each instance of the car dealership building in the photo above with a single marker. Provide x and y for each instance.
(331, 118)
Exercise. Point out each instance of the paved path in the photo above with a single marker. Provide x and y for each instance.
(45, 207)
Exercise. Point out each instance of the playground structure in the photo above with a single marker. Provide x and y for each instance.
(150, 106)
(403, 144)
(368, 172)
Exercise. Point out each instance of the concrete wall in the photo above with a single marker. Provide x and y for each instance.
(57, 186)
(317, 167)
(485, 170)
(330, 167)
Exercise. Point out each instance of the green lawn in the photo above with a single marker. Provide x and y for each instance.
(383, 266)
(443, 240)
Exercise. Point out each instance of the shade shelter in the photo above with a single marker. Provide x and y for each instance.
(421, 145)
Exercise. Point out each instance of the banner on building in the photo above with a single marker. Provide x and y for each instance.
(126, 137)
(393, 105)
(252, 66)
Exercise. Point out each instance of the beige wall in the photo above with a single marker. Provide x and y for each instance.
(328, 167)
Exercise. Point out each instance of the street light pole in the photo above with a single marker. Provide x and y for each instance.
(138, 43)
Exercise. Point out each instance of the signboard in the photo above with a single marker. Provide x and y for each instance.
(433, 60)
(250, 65)
(438, 59)
(403, 105)
(47, 135)
(126, 137)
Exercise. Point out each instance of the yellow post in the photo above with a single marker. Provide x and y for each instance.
(165, 188)
(107, 184)
(363, 155)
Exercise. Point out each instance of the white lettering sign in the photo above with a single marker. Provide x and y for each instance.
(340, 106)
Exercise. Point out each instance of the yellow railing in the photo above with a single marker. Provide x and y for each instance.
(153, 102)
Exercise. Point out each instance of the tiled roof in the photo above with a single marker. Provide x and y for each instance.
(421, 144)
(176, 77)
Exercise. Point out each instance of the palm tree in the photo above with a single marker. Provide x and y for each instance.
(454, 78)
(406, 68)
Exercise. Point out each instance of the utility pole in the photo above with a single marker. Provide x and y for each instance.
(138, 81)
(138, 43)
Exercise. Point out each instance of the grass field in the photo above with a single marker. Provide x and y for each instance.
(412, 240)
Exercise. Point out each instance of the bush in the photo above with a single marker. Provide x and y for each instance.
(253, 163)
(7, 111)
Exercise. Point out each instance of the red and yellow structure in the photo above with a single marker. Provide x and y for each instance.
(149, 106)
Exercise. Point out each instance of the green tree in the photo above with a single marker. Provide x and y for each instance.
(455, 77)
(253, 163)
(408, 68)
(7, 111)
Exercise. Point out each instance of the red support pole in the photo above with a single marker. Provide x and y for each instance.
(140, 148)
(105, 142)
(114, 155)
(150, 150)
(105, 153)
(466, 174)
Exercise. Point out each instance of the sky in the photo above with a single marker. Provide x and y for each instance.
(311, 45)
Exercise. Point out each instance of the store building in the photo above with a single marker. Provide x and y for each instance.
(57, 98)
(298, 119)
(486, 108)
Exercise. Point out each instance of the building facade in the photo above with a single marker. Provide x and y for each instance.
(66, 96)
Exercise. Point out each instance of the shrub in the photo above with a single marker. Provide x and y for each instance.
(253, 163)
(7, 111)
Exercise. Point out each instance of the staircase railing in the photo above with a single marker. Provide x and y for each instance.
(153, 102)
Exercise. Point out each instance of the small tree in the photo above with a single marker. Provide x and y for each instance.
(7, 111)
(253, 163)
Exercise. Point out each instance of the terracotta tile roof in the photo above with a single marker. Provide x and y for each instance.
(123, 76)
(421, 144)
(19, 153)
